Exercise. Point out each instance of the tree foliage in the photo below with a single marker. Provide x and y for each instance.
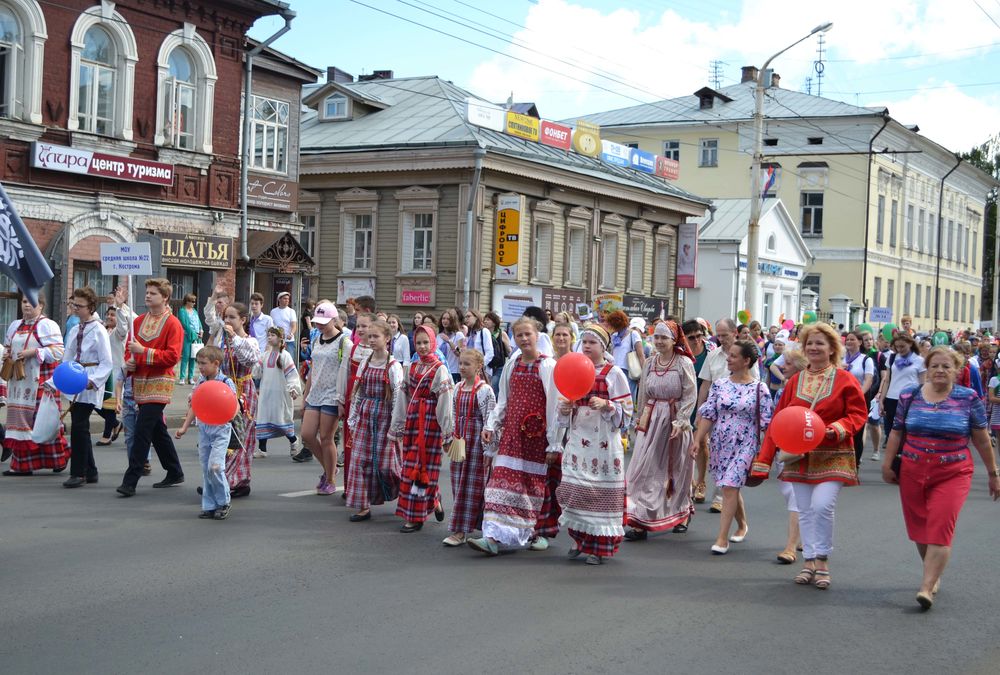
(986, 157)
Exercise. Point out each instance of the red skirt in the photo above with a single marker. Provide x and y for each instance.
(932, 495)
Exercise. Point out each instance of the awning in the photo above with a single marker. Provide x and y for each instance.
(279, 251)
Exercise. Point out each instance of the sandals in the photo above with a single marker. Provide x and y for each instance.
(699, 493)
(805, 576)
(786, 558)
(454, 540)
(118, 430)
(822, 579)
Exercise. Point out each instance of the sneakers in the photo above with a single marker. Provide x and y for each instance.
(322, 482)
(876, 456)
(594, 560)
(716, 505)
(222, 512)
(304, 455)
(539, 544)
(327, 489)
(259, 454)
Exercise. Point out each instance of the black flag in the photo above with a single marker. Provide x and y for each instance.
(20, 259)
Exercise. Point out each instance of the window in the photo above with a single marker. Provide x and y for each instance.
(880, 224)
(420, 240)
(812, 213)
(955, 315)
(947, 248)
(335, 107)
(933, 234)
(877, 294)
(906, 298)
(541, 252)
(269, 134)
(636, 263)
(893, 214)
(10, 302)
(964, 300)
(812, 282)
(97, 83)
(609, 260)
(709, 155)
(815, 140)
(909, 226)
(418, 218)
(921, 226)
(890, 293)
(661, 269)
(975, 248)
(576, 256)
(768, 308)
(185, 108)
(927, 301)
(89, 274)
(103, 57)
(772, 243)
(672, 150)
(634, 146)
(359, 240)
(11, 52)
(973, 310)
(947, 304)
(963, 249)
(917, 305)
(307, 237)
(771, 142)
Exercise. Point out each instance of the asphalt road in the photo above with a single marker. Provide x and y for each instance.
(99, 584)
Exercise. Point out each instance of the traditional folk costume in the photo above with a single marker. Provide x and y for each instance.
(279, 380)
(592, 491)
(378, 412)
(87, 344)
(22, 395)
(468, 478)
(661, 469)
(429, 426)
(515, 493)
(240, 356)
(347, 379)
(818, 476)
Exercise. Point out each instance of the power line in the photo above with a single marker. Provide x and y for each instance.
(988, 15)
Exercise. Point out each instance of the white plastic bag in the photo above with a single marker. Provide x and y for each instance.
(874, 414)
(46, 420)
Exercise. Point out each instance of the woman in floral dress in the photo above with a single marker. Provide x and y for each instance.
(737, 409)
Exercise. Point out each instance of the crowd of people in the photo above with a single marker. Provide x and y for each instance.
(383, 405)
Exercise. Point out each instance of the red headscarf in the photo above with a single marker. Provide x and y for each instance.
(432, 357)
(680, 341)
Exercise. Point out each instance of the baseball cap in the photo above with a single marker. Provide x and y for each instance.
(323, 313)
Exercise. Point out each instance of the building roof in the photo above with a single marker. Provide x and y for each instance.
(426, 112)
(778, 103)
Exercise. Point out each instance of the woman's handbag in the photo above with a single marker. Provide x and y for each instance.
(456, 451)
(46, 420)
(751, 480)
(195, 348)
(7, 369)
(634, 367)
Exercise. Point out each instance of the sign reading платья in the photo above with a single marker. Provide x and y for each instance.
(89, 163)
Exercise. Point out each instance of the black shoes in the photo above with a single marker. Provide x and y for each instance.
(91, 479)
(74, 482)
(207, 515)
(359, 517)
(242, 491)
(8, 472)
(125, 490)
(304, 455)
(409, 527)
(169, 481)
(5, 455)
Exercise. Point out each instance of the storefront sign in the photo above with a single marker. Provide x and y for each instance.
(508, 233)
(641, 160)
(667, 168)
(522, 126)
(354, 288)
(556, 135)
(192, 250)
(687, 254)
(562, 299)
(587, 139)
(647, 308)
(131, 259)
(772, 269)
(510, 300)
(616, 154)
(415, 296)
(608, 302)
(89, 163)
(485, 115)
(269, 192)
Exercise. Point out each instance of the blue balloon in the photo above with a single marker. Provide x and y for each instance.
(70, 378)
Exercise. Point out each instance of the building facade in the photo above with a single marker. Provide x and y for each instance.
(893, 219)
(120, 123)
(390, 165)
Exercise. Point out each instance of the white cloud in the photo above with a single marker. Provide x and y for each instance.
(948, 116)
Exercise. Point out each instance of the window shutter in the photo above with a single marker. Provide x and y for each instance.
(609, 264)
(347, 242)
(407, 248)
(662, 272)
(637, 264)
(543, 251)
(576, 255)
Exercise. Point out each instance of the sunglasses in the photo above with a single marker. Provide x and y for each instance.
(695, 336)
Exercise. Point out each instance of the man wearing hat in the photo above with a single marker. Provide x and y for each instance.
(284, 317)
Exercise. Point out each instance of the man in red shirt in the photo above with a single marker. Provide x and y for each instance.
(152, 353)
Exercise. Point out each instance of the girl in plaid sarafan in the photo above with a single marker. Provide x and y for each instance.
(378, 410)
(474, 401)
(429, 427)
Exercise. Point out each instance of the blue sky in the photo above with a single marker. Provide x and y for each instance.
(935, 63)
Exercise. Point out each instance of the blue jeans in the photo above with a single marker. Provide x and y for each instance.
(213, 442)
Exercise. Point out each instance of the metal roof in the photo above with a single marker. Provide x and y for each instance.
(778, 103)
(430, 112)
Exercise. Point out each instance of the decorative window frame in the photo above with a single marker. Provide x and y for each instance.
(347, 107)
(204, 82)
(639, 230)
(581, 218)
(664, 236)
(613, 224)
(126, 54)
(545, 213)
(413, 200)
(28, 75)
(357, 201)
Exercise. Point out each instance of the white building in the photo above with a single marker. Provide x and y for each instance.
(722, 261)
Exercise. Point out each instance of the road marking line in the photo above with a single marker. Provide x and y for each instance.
(303, 493)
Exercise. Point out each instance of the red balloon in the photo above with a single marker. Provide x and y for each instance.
(214, 403)
(797, 429)
(574, 375)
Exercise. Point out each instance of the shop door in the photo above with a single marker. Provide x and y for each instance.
(183, 282)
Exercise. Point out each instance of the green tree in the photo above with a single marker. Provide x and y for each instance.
(986, 157)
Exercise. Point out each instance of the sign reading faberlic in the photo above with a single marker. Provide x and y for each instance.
(192, 250)
(508, 234)
(130, 259)
(89, 163)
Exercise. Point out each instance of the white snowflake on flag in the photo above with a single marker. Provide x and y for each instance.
(10, 246)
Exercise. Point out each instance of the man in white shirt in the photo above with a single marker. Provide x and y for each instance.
(285, 318)
(259, 322)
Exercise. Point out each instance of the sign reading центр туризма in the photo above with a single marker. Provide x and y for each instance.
(90, 163)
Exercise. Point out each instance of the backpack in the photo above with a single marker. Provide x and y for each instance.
(499, 354)
(876, 382)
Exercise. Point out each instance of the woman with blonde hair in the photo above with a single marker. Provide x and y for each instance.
(817, 476)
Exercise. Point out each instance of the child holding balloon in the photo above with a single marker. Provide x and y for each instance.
(213, 440)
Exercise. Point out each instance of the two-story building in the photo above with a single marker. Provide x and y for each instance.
(120, 122)
(893, 219)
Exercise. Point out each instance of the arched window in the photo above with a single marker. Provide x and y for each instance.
(772, 243)
(96, 83)
(335, 107)
(22, 41)
(186, 75)
(103, 57)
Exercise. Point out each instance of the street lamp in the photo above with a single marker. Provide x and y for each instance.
(753, 229)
